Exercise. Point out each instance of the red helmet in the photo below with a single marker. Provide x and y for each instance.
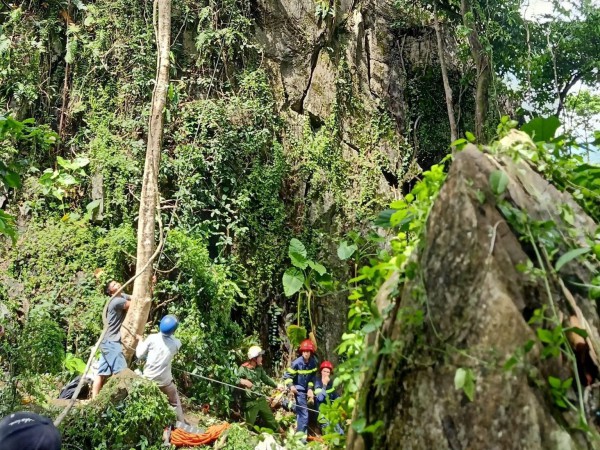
(306, 346)
(326, 365)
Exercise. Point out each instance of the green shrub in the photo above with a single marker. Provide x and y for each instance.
(42, 345)
(129, 413)
(240, 438)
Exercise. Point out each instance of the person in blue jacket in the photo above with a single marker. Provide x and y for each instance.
(300, 379)
(324, 391)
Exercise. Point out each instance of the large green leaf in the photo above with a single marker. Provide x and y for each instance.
(298, 260)
(325, 281)
(297, 247)
(66, 179)
(293, 279)
(319, 268)
(11, 179)
(297, 254)
(541, 128)
(345, 251)
(296, 334)
(383, 219)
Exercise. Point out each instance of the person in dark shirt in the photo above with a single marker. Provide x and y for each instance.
(112, 360)
(24, 430)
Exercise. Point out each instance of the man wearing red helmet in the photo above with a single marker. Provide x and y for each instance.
(324, 390)
(300, 378)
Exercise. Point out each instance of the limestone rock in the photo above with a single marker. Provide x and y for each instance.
(476, 305)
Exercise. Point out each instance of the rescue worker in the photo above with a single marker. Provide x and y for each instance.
(112, 360)
(159, 350)
(324, 391)
(300, 379)
(253, 377)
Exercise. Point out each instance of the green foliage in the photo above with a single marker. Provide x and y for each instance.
(465, 379)
(557, 160)
(224, 30)
(15, 136)
(346, 251)
(203, 296)
(553, 247)
(74, 364)
(323, 9)
(42, 348)
(240, 438)
(63, 289)
(569, 256)
(61, 182)
(498, 181)
(114, 421)
(559, 390)
(408, 218)
(295, 334)
(307, 278)
(542, 129)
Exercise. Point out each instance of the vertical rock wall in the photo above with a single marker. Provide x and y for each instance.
(345, 71)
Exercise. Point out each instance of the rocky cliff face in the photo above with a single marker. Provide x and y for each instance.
(351, 50)
(343, 69)
(482, 308)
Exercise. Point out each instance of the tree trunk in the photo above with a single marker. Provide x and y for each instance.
(447, 88)
(483, 68)
(137, 315)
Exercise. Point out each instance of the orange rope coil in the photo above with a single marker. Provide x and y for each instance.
(181, 438)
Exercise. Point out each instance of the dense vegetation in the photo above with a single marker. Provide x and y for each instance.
(236, 185)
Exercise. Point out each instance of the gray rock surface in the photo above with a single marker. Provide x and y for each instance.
(476, 305)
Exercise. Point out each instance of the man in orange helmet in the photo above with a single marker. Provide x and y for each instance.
(300, 378)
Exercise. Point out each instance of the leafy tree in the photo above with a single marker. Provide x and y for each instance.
(582, 111)
(561, 53)
(13, 132)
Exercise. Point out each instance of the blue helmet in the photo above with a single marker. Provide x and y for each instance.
(168, 325)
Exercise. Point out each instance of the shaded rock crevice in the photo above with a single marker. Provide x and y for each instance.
(298, 105)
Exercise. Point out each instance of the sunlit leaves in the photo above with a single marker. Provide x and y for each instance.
(465, 379)
(345, 251)
(498, 181)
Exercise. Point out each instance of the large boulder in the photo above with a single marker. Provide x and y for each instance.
(480, 301)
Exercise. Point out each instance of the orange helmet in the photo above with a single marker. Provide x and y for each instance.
(306, 346)
(326, 365)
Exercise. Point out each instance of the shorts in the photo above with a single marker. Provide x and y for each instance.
(112, 360)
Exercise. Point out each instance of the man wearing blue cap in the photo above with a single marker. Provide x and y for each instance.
(28, 431)
(159, 350)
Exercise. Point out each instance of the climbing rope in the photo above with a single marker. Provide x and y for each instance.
(236, 387)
